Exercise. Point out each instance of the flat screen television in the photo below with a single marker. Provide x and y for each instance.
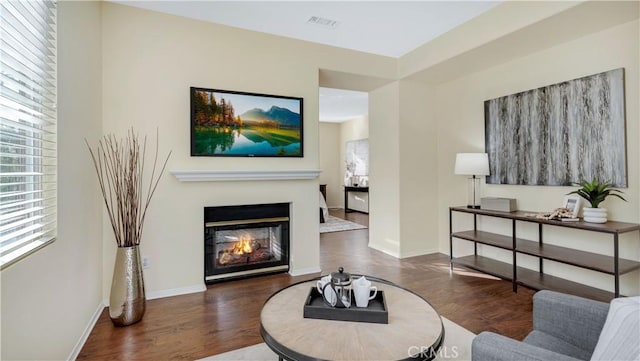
(238, 124)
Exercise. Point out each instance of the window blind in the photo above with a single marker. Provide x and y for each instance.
(28, 118)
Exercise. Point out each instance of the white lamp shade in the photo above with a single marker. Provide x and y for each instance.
(472, 164)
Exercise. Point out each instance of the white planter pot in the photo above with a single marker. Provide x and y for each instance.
(594, 215)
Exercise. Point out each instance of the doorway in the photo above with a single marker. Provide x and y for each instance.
(344, 151)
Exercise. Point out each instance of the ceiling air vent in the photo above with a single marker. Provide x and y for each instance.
(326, 23)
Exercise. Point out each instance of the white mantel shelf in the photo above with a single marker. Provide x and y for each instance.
(244, 175)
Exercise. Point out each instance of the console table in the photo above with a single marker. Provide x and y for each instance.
(612, 265)
(347, 190)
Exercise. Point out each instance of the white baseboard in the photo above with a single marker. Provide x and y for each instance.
(418, 253)
(87, 331)
(386, 251)
(304, 271)
(169, 293)
(176, 291)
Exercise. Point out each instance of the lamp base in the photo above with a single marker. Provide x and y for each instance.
(473, 193)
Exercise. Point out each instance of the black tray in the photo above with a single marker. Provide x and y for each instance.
(315, 307)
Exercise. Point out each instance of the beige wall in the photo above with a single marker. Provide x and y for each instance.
(150, 61)
(384, 169)
(461, 129)
(50, 297)
(418, 164)
(354, 129)
(330, 162)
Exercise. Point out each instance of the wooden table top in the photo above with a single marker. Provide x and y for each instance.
(414, 325)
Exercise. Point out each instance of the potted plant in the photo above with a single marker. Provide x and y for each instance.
(595, 192)
(120, 166)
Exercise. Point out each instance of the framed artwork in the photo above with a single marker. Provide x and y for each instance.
(559, 134)
(238, 124)
(572, 203)
(357, 157)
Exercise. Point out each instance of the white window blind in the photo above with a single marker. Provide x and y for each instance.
(27, 127)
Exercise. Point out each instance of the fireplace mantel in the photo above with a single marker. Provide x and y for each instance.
(244, 175)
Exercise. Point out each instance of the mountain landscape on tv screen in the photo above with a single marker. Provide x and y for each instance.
(218, 130)
(283, 116)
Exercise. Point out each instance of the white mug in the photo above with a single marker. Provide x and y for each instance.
(322, 282)
(362, 291)
(327, 293)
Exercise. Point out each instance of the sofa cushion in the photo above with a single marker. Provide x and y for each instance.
(489, 346)
(574, 319)
(549, 342)
(621, 332)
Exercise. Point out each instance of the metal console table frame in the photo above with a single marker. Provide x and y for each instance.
(612, 265)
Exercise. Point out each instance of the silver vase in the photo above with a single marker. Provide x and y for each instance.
(127, 299)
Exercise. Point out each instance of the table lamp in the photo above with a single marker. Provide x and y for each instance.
(473, 164)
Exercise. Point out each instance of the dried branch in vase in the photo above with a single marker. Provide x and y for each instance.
(119, 164)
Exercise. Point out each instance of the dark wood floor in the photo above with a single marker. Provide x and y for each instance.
(226, 316)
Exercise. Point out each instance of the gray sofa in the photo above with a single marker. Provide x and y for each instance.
(565, 327)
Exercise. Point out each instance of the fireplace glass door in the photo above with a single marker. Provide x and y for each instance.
(247, 246)
(241, 248)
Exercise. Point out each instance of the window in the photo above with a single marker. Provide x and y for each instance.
(27, 127)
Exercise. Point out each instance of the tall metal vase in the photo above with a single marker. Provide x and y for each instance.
(127, 299)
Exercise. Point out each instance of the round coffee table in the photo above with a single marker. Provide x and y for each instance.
(414, 330)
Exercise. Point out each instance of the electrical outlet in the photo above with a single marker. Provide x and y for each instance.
(146, 263)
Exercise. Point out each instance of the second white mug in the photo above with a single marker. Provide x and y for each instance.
(362, 292)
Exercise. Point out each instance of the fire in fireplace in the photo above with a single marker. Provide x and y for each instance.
(246, 246)
(241, 241)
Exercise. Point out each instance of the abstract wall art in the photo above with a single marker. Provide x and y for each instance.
(559, 134)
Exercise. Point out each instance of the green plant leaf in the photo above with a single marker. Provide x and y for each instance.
(595, 192)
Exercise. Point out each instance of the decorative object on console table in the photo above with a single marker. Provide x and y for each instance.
(119, 165)
(498, 204)
(595, 192)
(473, 164)
(572, 204)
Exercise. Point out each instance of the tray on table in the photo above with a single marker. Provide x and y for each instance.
(376, 312)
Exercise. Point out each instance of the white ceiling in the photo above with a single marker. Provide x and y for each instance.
(389, 28)
(338, 105)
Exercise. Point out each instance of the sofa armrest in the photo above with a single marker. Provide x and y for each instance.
(573, 319)
(489, 346)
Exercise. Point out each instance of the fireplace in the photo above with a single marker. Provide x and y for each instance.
(243, 241)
